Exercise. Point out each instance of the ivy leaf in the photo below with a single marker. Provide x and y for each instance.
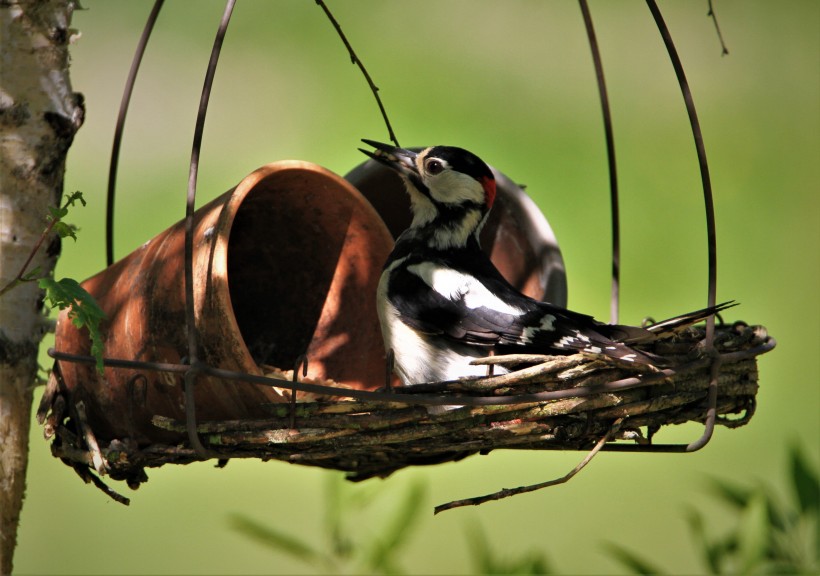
(55, 216)
(55, 213)
(83, 310)
(74, 197)
(32, 275)
(65, 230)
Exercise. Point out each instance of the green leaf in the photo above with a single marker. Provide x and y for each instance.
(486, 561)
(276, 540)
(481, 553)
(712, 554)
(632, 561)
(55, 213)
(739, 497)
(32, 275)
(66, 230)
(83, 310)
(732, 494)
(71, 199)
(335, 514)
(805, 482)
(754, 534)
(398, 529)
(55, 216)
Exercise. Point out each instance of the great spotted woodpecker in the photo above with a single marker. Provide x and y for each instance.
(441, 301)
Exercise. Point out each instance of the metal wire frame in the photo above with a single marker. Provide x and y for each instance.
(711, 235)
(707, 195)
(190, 204)
(194, 367)
(614, 305)
(115, 147)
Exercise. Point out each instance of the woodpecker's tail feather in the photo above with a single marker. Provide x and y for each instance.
(672, 326)
(624, 337)
(623, 353)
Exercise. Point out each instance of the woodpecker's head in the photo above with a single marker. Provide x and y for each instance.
(451, 189)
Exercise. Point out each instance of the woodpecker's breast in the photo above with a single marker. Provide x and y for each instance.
(420, 357)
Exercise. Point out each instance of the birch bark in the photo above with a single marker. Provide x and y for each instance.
(39, 115)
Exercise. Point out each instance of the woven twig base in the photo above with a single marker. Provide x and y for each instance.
(553, 403)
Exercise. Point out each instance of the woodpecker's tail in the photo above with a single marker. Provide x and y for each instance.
(624, 337)
(672, 326)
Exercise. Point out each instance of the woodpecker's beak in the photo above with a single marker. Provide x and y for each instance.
(399, 159)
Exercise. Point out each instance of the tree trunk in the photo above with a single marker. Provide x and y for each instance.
(39, 115)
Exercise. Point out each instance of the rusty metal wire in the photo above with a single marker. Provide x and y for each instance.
(118, 131)
(706, 184)
(711, 234)
(190, 205)
(614, 305)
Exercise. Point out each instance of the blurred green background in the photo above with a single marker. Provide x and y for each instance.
(513, 82)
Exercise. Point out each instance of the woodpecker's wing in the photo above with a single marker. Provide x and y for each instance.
(465, 299)
(437, 299)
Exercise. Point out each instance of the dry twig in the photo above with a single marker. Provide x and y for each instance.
(507, 492)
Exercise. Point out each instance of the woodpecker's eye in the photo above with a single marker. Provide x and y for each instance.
(434, 167)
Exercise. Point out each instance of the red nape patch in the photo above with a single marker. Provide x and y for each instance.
(489, 190)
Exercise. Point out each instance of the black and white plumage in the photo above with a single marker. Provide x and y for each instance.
(441, 301)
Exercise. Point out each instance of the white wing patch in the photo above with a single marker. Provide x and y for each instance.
(568, 341)
(456, 286)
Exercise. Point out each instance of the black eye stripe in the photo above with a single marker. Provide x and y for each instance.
(419, 185)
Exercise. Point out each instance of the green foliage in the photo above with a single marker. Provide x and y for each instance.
(633, 562)
(768, 537)
(382, 553)
(56, 215)
(83, 310)
(276, 540)
(67, 292)
(806, 487)
(346, 546)
(487, 561)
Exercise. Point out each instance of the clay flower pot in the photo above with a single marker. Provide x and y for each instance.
(285, 264)
(517, 236)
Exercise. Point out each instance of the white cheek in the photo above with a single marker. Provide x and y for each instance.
(451, 187)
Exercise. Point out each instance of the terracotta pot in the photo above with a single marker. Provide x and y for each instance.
(286, 263)
(517, 236)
